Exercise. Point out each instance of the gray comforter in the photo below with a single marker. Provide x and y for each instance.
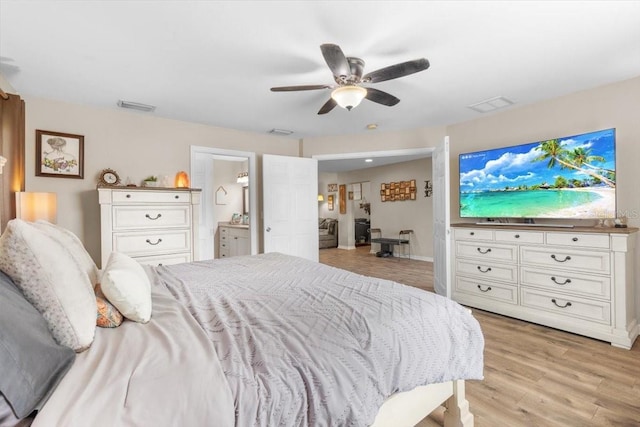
(305, 344)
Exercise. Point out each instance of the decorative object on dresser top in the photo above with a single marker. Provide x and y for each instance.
(108, 177)
(150, 181)
(579, 280)
(152, 225)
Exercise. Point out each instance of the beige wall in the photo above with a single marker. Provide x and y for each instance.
(611, 106)
(135, 145)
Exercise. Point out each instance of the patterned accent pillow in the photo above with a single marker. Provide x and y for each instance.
(126, 286)
(52, 281)
(108, 316)
(72, 243)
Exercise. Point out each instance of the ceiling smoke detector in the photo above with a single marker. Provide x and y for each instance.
(136, 106)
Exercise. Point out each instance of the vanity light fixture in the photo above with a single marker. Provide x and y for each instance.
(243, 178)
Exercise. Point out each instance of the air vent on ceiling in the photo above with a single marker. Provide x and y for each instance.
(136, 106)
(491, 104)
(281, 132)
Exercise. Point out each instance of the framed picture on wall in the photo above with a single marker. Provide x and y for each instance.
(332, 188)
(59, 155)
(330, 202)
(342, 198)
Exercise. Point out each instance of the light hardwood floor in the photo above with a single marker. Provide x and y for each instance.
(534, 375)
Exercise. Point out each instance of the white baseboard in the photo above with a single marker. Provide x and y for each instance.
(348, 248)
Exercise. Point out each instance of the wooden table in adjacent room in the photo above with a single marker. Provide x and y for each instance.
(387, 244)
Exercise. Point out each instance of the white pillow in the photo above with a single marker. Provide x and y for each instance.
(126, 285)
(73, 244)
(52, 281)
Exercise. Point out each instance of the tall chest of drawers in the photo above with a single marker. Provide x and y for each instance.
(579, 279)
(154, 226)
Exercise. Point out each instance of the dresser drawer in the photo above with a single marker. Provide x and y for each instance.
(566, 305)
(592, 261)
(570, 282)
(492, 291)
(487, 251)
(516, 236)
(152, 242)
(579, 240)
(143, 217)
(472, 234)
(163, 197)
(488, 271)
(164, 259)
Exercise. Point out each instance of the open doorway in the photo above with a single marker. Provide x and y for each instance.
(365, 206)
(225, 201)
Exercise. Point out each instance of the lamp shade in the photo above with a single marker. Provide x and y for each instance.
(34, 206)
(349, 96)
(182, 180)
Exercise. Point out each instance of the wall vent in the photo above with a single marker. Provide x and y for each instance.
(491, 104)
(136, 106)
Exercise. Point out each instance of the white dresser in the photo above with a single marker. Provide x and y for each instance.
(155, 226)
(578, 279)
(233, 240)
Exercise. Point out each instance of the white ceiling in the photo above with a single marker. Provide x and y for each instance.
(213, 62)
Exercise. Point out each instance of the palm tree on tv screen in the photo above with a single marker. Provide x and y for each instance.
(553, 151)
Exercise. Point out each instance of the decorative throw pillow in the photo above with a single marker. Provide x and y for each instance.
(50, 279)
(108, 316)
(126, 286)
(31, 362)
(73, 244)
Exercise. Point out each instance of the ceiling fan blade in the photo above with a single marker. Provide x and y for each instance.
(336, 60)
(302, 87)
(328, 106)
(395, 71)
(381, 97)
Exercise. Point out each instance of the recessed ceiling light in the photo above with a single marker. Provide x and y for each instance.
(368, 160)
(136, 106)
(491, 104)
(281, 131)
(372, 126)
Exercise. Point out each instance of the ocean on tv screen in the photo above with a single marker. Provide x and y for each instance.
(570, 177)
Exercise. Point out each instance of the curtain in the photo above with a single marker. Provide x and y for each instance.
(12, 145)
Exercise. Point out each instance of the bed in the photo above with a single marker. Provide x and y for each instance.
(264, 340)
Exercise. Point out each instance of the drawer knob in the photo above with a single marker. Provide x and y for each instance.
(160, 264)
(517, 236)
(568, 304)
(472, 233)
(128, 196)
(483, 252)
(484, 271)
(567, 258)
(176, 197)
(153, 244)
(566, 281)
(484, 290)
(154, 218)
(575, 239)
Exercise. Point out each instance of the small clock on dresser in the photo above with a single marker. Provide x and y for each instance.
(108, 178)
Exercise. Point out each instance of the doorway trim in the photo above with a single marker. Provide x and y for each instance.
(220, 153)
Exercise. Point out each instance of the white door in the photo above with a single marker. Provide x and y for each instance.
(201, 174)
(290, 200)
(441, 220)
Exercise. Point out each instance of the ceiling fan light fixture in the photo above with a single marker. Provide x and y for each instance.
(349, 97)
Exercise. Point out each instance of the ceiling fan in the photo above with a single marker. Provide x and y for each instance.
(347, 73)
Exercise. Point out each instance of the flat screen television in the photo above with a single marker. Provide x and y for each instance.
(572, 177)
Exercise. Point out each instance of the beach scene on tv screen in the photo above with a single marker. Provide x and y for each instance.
(569, 177)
